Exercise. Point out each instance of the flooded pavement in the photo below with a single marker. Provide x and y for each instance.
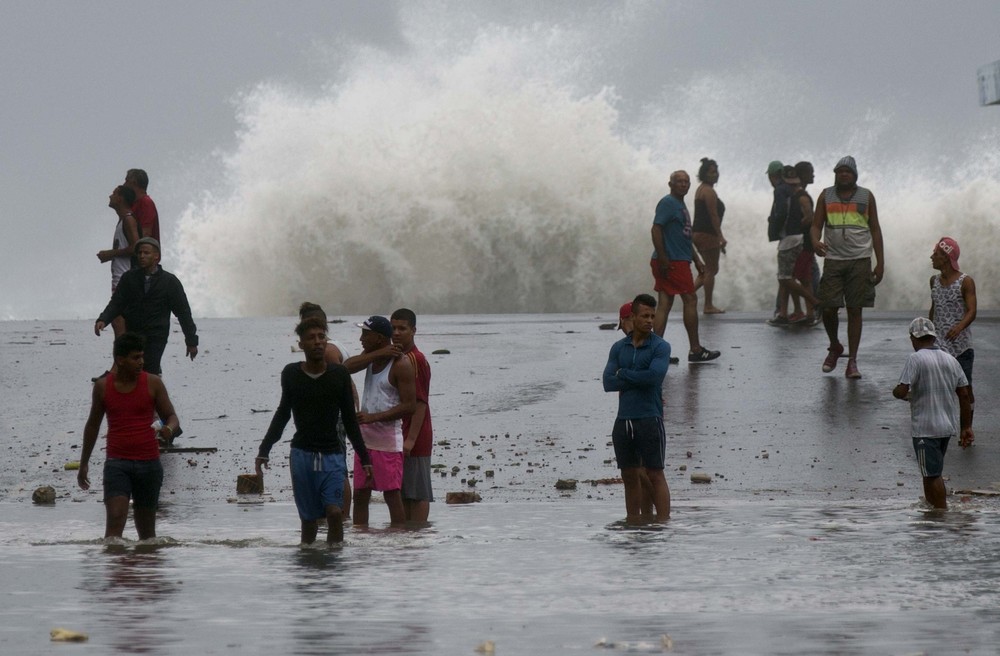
(811, 537)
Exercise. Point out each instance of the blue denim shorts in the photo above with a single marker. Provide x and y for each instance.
(317, 481)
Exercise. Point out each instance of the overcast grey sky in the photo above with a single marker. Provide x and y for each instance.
(94, 88)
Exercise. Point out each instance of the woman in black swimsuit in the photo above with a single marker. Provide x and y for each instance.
(706, 231)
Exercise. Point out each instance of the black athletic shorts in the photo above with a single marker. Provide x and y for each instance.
(640, 443)
(140, 480)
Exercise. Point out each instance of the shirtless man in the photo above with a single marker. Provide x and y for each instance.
(130, 397)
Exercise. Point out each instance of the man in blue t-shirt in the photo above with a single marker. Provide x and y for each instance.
(671, 264)
(637, 365)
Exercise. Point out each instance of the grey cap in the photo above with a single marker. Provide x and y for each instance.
(148, 240)
(849, 162)
(922, 327)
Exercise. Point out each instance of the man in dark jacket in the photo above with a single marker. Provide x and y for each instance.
(145, 297)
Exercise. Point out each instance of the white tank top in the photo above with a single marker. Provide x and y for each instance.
(379, 396)
(122, 263)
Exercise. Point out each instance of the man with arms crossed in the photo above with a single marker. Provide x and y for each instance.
(389, 395)
(316, 394)
(418, 434)
(130, 397)
(636, 367)
(935, 385)
(848, 220)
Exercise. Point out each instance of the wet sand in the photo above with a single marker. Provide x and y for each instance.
(520, 396)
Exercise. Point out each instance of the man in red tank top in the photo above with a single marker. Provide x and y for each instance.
(131, 398)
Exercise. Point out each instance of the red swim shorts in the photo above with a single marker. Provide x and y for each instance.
(678, 279)
(803, 271)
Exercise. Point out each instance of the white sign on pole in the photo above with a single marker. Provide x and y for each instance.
(989, 84)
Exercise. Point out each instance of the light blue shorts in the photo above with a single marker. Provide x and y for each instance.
(317, 482)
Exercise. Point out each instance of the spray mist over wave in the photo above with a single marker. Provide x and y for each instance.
(490, 176)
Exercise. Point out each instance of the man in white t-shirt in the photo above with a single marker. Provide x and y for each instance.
(938, 391)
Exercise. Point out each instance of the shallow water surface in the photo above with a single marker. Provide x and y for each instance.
(811, 538)
(725, 577)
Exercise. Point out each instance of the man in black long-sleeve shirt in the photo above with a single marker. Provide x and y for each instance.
(145, 297)
(316, 394)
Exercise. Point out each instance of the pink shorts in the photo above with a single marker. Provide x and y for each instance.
(387, 471)
(678, 280)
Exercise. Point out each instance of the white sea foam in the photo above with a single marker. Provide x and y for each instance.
(503, 173)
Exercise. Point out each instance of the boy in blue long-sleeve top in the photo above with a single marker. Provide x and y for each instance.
(636, 367)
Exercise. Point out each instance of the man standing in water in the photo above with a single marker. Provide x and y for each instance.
(145, 297)
(336, 353)
(935, 385)
(418, 434)
(129, 396)
(646, 496)
(389, 395)
(849, 218)
(671, 264)
(316, 394)
(953, 307)
(637, 365)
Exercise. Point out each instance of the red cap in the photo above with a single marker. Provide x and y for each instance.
(624, 312)
(950, 248)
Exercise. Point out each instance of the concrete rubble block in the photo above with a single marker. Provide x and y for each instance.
(250, 484)
(462, 497)
(45, 495)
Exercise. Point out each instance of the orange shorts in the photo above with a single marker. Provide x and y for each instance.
(678, 279)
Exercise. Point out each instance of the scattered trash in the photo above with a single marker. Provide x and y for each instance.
(666, 644)
(65, 635)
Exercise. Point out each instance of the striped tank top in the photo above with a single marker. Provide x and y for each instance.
(847, 234)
